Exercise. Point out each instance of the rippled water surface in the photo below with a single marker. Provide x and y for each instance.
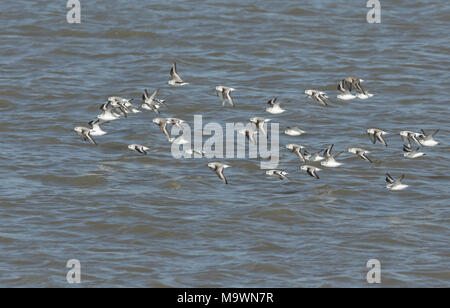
(154, 221)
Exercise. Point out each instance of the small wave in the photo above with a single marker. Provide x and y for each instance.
(85, 181)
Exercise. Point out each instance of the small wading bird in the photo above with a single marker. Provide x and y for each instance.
(360, 153)
(259, 123)
(311, 170)
(274, 107)
(138, 148)
(294, 131)
(313, 157)
(110, 113)
(218, 168)
(407, 136)
(150, 102)
(350, 83)
(249, 133)
(410, 153)
(428, 140)
(330, 159)
(395, 184)
(318, 96)
(224, 93)
(124, 104)
(96, 130)
(162, 123)
(282, 175)
(377, 134)
(175, 79)
(85, 134)
(194, 151)
(297, 149)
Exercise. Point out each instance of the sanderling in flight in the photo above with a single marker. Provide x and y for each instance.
(360, 153)
(177, 122)
(249, 133)
(224, 93)
(410, 153)
(138, 148)
(175, 79)
(118, 102)
(110, 113)
(96, 130)
(294, 131)
(85, 134)
(318, 96)
(311, 170)
(162, 123)
(259, 123)
(408, 135)
(274, 107)
(179, 140)
(377, 134)
(150, 102)
(124, 104)
(313, 157)
(194, 151)
(297, 149)
(428, 140)
(348, 84)
(218, 168)
(346, 94)
(330, 159)
(282, 175)
(395, 184)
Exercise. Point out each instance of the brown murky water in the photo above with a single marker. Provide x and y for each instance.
(154, 221)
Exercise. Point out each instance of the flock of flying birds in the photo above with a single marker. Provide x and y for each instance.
(349, 88)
